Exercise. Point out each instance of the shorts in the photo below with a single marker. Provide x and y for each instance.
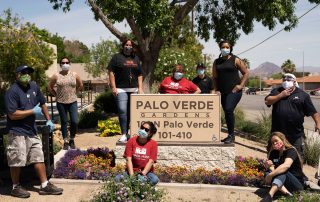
(23, 150)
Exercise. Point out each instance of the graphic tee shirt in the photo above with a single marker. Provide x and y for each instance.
(172, 86)
(141, 153)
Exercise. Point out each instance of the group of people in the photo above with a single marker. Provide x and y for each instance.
(24, 101)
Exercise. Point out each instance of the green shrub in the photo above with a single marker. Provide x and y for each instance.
(89, 119)
(129, 189)
(56, 148)
(250, 127)
(2, 104)
(303, 196)
(264, 126)
(312, 151)
(109, 127)
(105, 102)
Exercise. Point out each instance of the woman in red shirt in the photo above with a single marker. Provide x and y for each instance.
(141, 153)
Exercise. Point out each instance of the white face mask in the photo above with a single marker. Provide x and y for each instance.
(287, 84)
(178, 75)
(225, 51)
(65, 67)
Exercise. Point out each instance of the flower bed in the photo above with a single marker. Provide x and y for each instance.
(99, 164)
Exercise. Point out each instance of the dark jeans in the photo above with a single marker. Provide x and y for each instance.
(123, 104)
(72, 109)
(290, 181)
(229, 103)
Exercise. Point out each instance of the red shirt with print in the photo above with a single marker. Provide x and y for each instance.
(141, 153)
(172, 86)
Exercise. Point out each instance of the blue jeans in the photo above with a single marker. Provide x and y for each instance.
(229, 103)
(289, 181)
(123, 104)
(151, 177)
(72, 109)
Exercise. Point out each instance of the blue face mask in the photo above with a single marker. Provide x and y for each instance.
(178, 75)
(200, 71)
(225, 51)
(142, 133)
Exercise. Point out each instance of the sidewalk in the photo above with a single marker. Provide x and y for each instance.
(83, 190)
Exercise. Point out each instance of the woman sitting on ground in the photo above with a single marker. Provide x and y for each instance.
(285, 167)
(141, 153)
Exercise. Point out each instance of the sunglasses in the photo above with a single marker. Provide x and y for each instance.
(288, 79)
(24, 72)
(65, 63)
(144, 128)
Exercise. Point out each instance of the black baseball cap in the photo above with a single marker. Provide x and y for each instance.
(201, 65)
(24, 68)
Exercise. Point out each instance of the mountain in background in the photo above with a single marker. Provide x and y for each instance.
(266, 69)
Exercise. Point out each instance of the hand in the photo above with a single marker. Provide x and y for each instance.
(114, 91)
(140, 91)
(216, 92)
(317, 128)
(37, 110)
(286, 93)
(49, 123)
(268, 179)
(268, 164)
(142, 178)
(237, 88)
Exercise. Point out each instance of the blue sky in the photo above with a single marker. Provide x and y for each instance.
(78, 24)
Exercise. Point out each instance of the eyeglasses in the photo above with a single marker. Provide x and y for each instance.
(24, 72)
(65, 63)
(144, 128)
(287, 79)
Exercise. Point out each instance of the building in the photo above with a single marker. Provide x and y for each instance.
(310, 82)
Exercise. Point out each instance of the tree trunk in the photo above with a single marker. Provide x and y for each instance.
(148, 67)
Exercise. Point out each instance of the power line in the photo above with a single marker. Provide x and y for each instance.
(276, 32)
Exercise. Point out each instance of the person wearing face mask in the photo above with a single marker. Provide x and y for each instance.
(24, 101)
(284, 167)
(203, 81)
(177, 84)
(227, 83)
(125, 75)
(67, 83)
(290, 105)
(141, 154)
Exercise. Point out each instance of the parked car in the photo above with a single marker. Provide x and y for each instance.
(315, 92)
(251, 91)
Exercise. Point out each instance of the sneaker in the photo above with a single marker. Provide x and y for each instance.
(123, 138)
(229, 140)
(267, 198)
(50, 189)
(20, 192)
(65, 146)
(72, 145)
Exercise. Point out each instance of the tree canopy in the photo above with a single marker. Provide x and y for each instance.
(152, 22)
(19, 45)
(288, 66)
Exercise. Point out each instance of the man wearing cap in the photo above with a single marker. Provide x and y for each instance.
(24, 101)
(204, 82)
(290, 106)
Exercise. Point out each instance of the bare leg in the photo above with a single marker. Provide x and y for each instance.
(284, 190)
(273, 190)
(15, 174)
(41, 171)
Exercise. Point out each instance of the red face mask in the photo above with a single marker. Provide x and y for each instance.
(278, 146)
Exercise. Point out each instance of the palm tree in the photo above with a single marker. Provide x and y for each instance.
(288, 66)
(247, 62)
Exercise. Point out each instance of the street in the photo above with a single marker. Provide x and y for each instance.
(253, 106)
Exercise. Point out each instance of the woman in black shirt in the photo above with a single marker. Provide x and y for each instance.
(125, 77)
(285, 165)
(225, 72)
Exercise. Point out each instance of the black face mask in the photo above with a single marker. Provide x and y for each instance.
(127, 50)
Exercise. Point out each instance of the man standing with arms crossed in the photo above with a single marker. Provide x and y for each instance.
(23, 102)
